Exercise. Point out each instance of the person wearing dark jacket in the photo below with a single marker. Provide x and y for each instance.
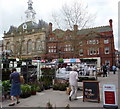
(15, 87)
(104, 70)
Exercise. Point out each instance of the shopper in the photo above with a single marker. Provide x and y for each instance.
(73, 78)
(15, 88)
(104, 67)
(114, 69)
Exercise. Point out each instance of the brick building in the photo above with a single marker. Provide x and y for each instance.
(93, 44)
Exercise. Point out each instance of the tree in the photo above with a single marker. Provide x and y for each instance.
(74, 14)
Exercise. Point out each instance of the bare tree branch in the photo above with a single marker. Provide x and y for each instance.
(75, 14)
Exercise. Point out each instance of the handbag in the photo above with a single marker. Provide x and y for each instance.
(22, 81)
(68, 90)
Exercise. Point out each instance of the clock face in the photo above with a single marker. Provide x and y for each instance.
(24, 26)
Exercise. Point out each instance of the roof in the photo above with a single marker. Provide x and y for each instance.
(27, 25)
(96, 29)
(87, 32)
(59, 32)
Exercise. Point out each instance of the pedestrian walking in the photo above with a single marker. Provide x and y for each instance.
(73, 81)
(104, 67)
(114, 69)
(15, 87)
(108, 68)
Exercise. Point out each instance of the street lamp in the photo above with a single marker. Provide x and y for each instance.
(5, 60)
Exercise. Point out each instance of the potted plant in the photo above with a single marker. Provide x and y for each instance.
(47, 84)
(60, 60)
(33, 89)
(6, 85)
(55, 87)
(62, 86)
(25, 91)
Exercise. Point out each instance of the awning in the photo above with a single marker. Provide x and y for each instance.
(71, 60)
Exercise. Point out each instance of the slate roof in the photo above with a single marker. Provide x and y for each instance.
(29, 26)
(61, 33)
(96, 29)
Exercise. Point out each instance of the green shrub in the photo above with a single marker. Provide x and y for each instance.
(25, 89)
(6, 86)
(33, 87)
(60, 60)
(60, 86)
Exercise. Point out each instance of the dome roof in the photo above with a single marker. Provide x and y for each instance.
(28, 26)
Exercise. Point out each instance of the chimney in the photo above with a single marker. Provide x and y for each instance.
(110, 22)
(75, 28)
(50, 27)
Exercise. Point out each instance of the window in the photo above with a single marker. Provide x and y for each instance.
(80, 43)
(29, 46)
(94, 42)
(23, 47)
(49, 50)
(90, 41)
(97, 41)
(93, 51)
(8, 46)
(106, 50)
(68, 47)
(17, 48)
(81, 52)
(106, 41)
(52, 38)
(88, 52)
(39, 45)
(52, 49)
(97, 51)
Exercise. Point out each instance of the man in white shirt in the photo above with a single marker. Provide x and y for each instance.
(73, 78)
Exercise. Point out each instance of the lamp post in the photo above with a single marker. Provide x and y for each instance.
(59, 53)
(5, 59)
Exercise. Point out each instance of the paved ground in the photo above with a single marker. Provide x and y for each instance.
(60, 98)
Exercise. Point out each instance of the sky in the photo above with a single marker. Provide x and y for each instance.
(12, 12)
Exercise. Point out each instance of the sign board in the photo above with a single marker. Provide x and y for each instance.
(91, 91)
(109, 95)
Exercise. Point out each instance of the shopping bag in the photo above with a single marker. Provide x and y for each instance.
(22, 80)
(68, 90)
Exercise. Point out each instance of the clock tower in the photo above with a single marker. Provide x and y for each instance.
(30, 13)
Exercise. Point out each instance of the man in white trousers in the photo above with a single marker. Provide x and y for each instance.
(73, 81)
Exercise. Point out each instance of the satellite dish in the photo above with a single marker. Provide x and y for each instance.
(24, 26)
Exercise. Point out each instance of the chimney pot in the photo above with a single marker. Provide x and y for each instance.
(110, 22)
(50, 27)
(75, 28)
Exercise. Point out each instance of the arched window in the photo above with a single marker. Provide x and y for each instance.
(29, 46)
(23, 47)
(8, 47)
(17, 47)
(39, 45)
